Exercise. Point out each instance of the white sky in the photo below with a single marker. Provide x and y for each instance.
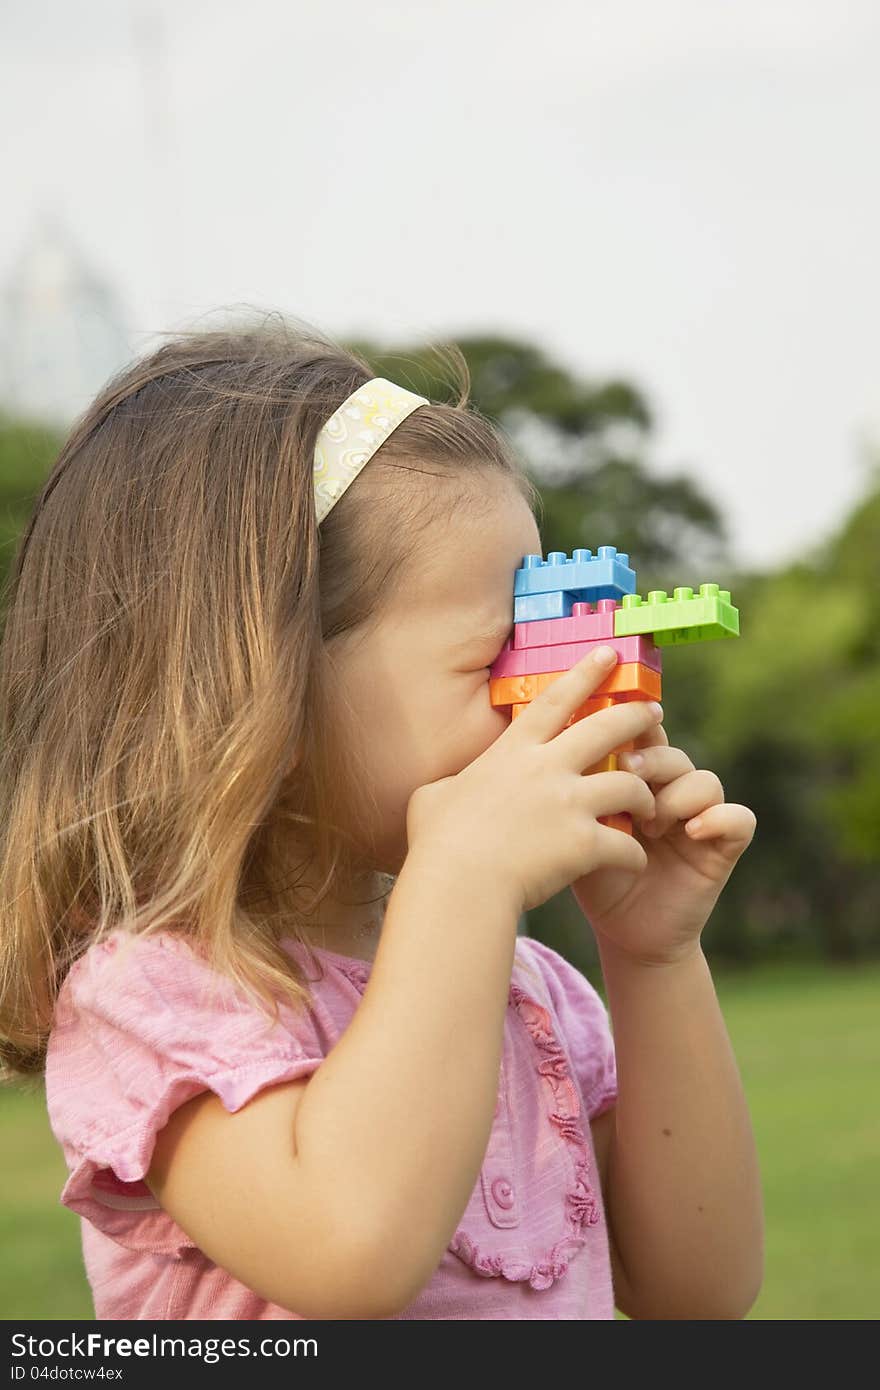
(680, 191)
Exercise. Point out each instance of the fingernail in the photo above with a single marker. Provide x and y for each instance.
(604, 654)
(694, 824)
(633, 759)
(656, 709)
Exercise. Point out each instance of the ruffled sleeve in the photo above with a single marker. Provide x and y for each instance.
(584, 1024)
(142, 1025)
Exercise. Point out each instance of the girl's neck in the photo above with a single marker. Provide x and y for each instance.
(353, 928)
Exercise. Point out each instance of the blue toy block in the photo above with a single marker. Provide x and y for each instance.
(529, 608)
(586, 577)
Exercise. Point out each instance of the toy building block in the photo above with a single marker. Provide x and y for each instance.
(548, 589)
(685, 617)
(630, 678)
(586, 576)
(555, 625)
(609, 762)
(524, 661)
(583, 625)
(591, 706)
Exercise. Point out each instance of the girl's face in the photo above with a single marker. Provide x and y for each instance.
(418, 681)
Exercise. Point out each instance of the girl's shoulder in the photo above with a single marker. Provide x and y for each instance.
(141, 1025)
(136, 1006)
(161, 975)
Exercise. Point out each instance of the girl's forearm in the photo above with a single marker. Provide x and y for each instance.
(393, 1127)
(684, 1193)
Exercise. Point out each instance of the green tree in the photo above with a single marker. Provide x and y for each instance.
(585, 445)
(27, 450)
(788, 717)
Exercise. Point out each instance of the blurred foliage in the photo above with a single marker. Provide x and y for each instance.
(583, 443)
(27, 450)
(788, 715)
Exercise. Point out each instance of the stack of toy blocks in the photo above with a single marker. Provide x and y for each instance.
(565, 606)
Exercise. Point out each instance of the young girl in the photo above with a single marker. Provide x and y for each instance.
(265, 847)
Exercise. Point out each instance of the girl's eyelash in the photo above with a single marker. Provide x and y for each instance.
(499, 650)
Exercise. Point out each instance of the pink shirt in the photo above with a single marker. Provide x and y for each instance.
(130, 1044)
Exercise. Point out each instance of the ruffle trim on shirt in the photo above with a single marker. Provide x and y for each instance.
(107, 1186)
(582, 1207)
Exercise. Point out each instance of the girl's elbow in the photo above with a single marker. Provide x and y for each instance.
(700, 1300)
(752, 1289)
(736, 1300)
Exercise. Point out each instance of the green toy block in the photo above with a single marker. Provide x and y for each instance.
(685, 617)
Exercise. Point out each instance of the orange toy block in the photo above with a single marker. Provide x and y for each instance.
(629, 678)
(593, 705)
(589, 707)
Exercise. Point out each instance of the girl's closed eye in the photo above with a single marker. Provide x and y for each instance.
(496, 642)
(481, 652)
(496, 652)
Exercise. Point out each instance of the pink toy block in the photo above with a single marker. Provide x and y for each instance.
(584, 625)
(528, 661)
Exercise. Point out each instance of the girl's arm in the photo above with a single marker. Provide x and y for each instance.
(682, 1188)
(386, 1141)
(336, 1195)
(398, 1117)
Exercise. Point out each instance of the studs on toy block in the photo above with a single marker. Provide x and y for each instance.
(683, 618)
(560, 581)
(607, 569)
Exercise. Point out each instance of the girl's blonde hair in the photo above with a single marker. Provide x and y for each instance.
(169, 717)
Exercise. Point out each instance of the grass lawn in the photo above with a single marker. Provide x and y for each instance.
(808, 1045)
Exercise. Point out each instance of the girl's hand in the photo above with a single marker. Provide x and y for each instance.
(692, 843)
(523, 812)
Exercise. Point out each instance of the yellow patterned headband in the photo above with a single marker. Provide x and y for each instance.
(354, 432)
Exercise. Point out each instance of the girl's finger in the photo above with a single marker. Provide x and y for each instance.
(587, 740)
(656, 765)
(735, 824)
(617, 850)
(548, 714)
(688, 796)
(610, 793)
(652, 737)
